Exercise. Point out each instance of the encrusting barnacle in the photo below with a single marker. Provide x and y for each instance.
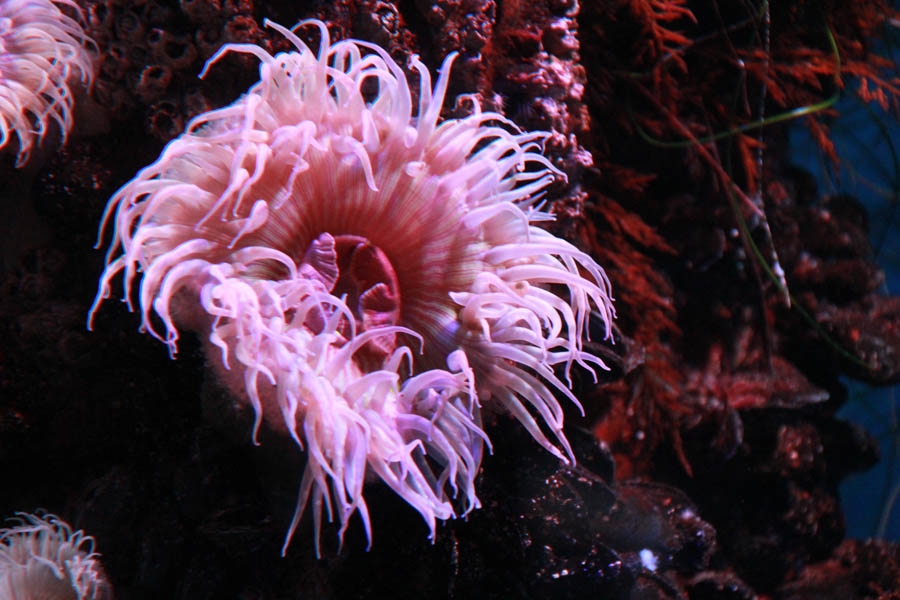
(41, 48)
(366, 277)
(41, 557)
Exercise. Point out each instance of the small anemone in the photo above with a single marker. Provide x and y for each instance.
(41, 557)
(40, 49)
(366, 275)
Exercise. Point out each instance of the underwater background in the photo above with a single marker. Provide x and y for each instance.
(722, 168)
(867, 139)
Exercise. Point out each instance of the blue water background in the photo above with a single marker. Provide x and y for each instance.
(867, 140)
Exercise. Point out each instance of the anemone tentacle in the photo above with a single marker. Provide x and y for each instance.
(41, 557)
(41, 49)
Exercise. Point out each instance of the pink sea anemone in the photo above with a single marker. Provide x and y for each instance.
(41, 557)
(40, 49)
(369, 276)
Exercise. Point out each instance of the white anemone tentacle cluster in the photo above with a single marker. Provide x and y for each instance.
(373, 274)
(40, 49)
(41, 557)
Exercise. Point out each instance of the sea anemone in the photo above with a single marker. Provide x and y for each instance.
(41, 557)
(40, 48)
(376, 276)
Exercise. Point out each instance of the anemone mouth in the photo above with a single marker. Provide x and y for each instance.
(352, 267)
(373, 273)
(399, 252)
